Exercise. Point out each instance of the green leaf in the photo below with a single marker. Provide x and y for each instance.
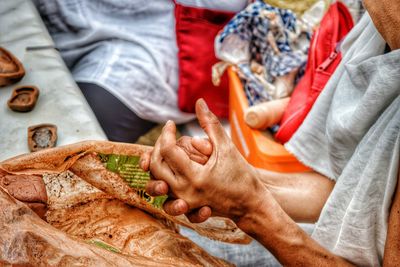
(103, 245)
(128, 168)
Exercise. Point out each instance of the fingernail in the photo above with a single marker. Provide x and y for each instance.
(203, 105)
(204, 212)
(180, 207)
(159, 189)
(166, 125)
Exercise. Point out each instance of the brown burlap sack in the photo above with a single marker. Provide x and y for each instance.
(27, 240)
(94, 198)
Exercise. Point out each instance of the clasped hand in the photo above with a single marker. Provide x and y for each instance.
(201, 177)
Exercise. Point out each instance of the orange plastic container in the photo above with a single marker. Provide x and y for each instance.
(259, 148)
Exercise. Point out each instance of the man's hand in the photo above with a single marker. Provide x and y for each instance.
(226, 185)
(223, 184)
(289, 189)
(198, 150)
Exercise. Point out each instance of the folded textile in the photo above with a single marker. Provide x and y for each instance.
(253, 26)
(268, 35)
(352, 136)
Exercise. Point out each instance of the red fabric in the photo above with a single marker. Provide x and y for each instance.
(196, 29)
(323, 58)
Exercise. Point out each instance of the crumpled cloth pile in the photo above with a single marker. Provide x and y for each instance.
(271, 38)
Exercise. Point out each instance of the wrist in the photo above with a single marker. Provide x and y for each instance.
(261, 215)
(259, 193)
(257, 206)
(261, 210)
(273, 228)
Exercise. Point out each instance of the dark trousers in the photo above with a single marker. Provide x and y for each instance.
(119, 123)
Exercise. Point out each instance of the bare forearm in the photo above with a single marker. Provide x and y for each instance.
(301, 195)
(289, 243)
(384, 14)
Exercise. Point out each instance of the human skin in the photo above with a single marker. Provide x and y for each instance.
(258, 201)
(385, 15)
(246, 200)
(271, 204)
(309, 188)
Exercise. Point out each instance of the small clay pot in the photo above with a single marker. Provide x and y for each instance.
(42, 136)
(23, 98)
(11, 69)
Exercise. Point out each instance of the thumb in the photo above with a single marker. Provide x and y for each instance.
(209, 122)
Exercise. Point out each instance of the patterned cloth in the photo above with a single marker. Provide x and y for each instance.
(254, 91)
(253, 26)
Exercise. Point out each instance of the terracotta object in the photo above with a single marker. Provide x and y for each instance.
(29, 189)
(42, 136)
(11, 69)
(23, 98)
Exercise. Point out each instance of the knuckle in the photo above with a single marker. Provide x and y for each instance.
(150, 189)
(201, 159)
(166, 150)
(212, 119)
(186, 146)
(154, 157)
(198, 184)
(153, 170)
(183, 140)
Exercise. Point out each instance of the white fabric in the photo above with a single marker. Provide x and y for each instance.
(223, 5)
(60, 101)
(352, 136)
(127, 47)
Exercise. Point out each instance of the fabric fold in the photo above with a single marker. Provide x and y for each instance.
(352, 136)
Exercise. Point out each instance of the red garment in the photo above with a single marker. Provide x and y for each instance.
(323, 58)
(196, 29)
